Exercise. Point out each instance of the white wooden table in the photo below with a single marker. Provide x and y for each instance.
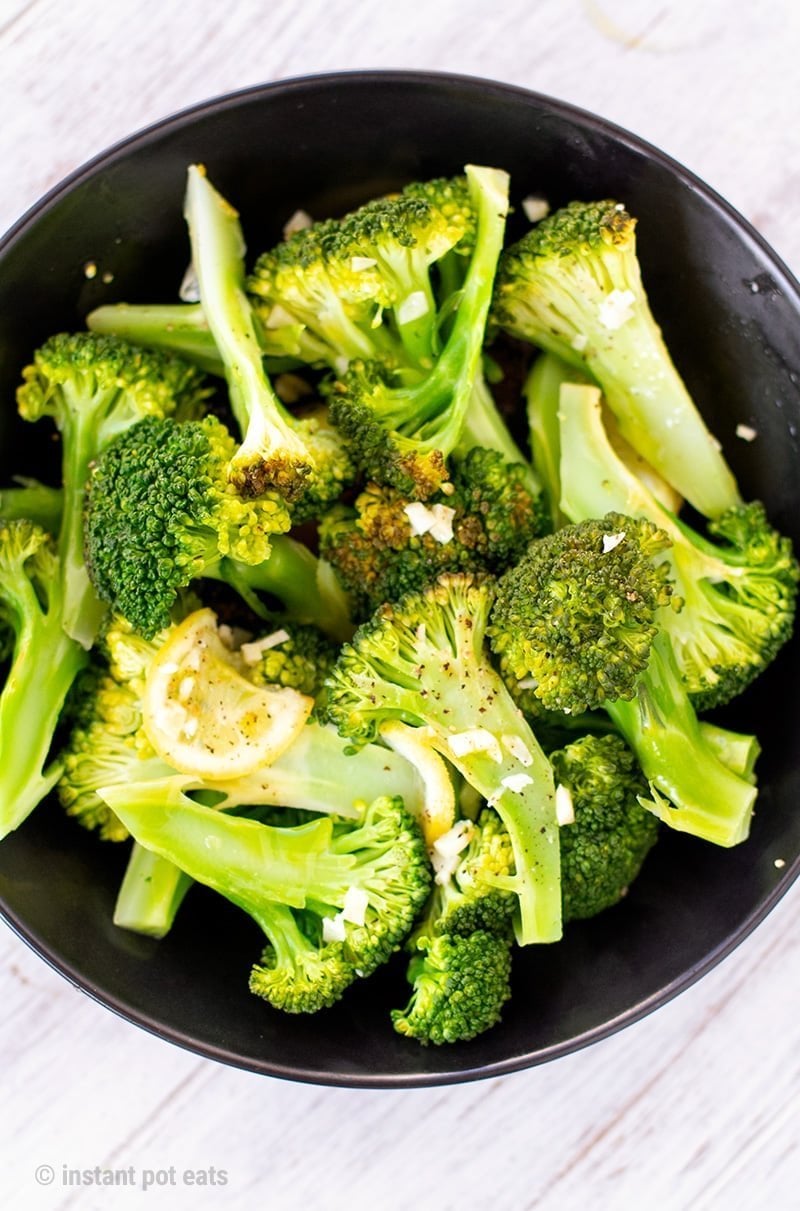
(697, 1106)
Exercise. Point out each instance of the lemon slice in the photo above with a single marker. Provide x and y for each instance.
(203, 717)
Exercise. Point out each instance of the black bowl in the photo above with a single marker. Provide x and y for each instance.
(731, 315)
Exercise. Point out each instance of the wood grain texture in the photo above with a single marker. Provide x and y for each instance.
(696, 1106)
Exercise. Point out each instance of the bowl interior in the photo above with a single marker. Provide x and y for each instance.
(730, 316)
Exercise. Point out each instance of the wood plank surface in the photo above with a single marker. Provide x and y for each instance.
(697, 1106)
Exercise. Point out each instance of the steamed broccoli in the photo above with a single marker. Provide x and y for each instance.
(611, 833)
(334, 899)
(400, 427)
(278, 451)
(579, 612)
(573, 286)
(386, 544)
(738, 589)
(422, 660)
(460, 984)
(161, 513)
(361, 287)
(587, 633)
(473, 863)
(44, 664)
(95, 388)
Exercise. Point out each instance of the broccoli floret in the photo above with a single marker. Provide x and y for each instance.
(361, 287)
(401, 427)
(44, 664)
(603, 849)
(334, 900)
(381, 549)
(738, 589)
(161, 513)
(460, 985)
(95, 388)
(422, 660)
(579, 612)
(573, 286)
(278, 451)
(470, 891)
(694, 790)
(695, 787)
(293, 655)
(32, 501)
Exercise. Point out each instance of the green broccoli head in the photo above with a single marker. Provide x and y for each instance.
(737, 616)
(298, 971)
(107, 746)
(361, 286)
(385, 544)
(109, 381)
(95, 388)
(460, 985)
(161, 512)
(573, 287)
(401, 425)
(423, 661)
(738, 586)
(603, 849)
(579, 612)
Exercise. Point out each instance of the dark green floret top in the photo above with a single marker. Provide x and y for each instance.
(161, 510)
(578, 613)
(602, 851)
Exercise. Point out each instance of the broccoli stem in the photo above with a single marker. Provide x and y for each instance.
(45, 664)
(542, 392)
(706, 798)
(485, 429)
(150, 894)
(33, 501)
(82, 610)
(218, 256)
(306, 585)
(253, 865)
(179, 328)
(528, 813)
(458, 369)
(737, 750)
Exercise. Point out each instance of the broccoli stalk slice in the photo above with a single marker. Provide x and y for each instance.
(485, 429)
(738, 600)
(272, 453)
(541, 391)
(703, 796)
(423, 662)
(180, 328)
(737, 750)
(150, 894)
(30, 500)
(306, 585)
(310, 867)
(573, 286)
(31, 700)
